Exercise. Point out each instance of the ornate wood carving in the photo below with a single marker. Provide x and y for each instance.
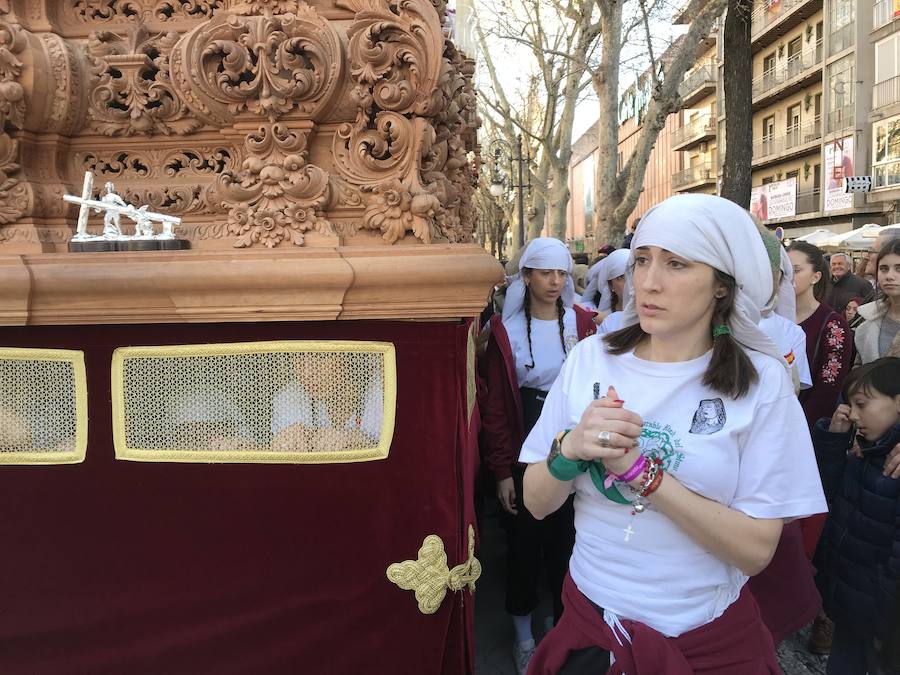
(271, 123)
(132, 93)
(13, 194)
(277, 195)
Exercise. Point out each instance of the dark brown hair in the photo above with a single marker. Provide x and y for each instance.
(730, 371)
(817, 259)
(881, 375)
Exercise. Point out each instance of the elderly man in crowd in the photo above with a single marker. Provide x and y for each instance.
(845, 285)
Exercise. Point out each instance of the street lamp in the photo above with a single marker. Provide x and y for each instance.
(501, 150)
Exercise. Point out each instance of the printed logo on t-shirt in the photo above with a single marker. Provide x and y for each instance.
(709, 417)
(658, 440)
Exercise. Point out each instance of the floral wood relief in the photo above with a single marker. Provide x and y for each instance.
(277, 195)
(101, 11)
(12, 115)
(133, 94)
(262, 122)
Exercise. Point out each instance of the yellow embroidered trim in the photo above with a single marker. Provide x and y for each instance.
(237, 384)
(57, 403)
(429, 576)
(471, 389)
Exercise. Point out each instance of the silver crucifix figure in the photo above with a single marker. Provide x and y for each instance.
(113, 207)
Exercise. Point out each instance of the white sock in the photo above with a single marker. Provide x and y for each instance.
(522, 624)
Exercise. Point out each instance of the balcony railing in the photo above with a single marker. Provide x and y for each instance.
(769, 11)
(842, 38)
(840, 119)
(702, 77)
(702, 126)
(808, 201)
(887, 174)
(702, 173)
(796, 136)
(887, 92)
(882, 13)
(794, 66)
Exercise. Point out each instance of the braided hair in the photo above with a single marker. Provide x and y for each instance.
(560, 315)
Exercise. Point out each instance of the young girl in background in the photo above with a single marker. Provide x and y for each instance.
(525, 351)
(861, 543)
(879, 335)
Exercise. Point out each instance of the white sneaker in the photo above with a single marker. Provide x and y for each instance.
(522, 653)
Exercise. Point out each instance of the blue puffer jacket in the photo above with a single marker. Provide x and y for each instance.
(862, 538)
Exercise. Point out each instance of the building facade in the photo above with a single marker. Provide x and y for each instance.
(826, 104)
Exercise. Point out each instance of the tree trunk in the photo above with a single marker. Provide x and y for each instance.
(736, 178)
(606, 84)
(559, 204)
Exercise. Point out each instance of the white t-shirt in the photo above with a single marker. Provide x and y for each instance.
(753, 454)
(611, 323)
(791, 342)
(546, 348)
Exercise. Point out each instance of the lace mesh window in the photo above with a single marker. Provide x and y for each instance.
(292, 402)
(43, 406)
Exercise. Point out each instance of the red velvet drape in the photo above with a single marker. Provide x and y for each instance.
(121, 567)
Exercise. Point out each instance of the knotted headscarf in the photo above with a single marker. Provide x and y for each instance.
(719, 233)
(600, 275)
(543, 253)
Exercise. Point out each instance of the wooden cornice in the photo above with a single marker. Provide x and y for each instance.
(430, 282)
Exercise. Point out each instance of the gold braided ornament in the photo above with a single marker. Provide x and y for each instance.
(429, 575)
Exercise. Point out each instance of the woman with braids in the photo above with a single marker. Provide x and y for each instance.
(525, 351)
(829, 349)
(685, 471)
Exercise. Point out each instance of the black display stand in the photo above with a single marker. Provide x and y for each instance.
(102, 245)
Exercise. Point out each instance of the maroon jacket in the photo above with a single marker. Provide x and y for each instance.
(500, 405)
(737, 643)
(829, 348)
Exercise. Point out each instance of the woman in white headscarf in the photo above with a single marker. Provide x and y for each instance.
(778, 315)
(681, 489)
(606, 283)
(525, 350)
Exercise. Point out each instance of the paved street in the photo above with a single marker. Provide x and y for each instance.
(493, 631)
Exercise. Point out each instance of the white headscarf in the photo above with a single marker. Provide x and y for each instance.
(719, 233)
(786, 303)
(600, 275)
(543, 253)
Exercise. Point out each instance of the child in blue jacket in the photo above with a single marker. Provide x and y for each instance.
(862, 538)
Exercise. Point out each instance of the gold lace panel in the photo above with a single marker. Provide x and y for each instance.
(270, 402)
(43, 406)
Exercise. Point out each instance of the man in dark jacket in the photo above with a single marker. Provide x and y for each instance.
(845, 285)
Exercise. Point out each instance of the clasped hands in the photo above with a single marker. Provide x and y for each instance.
(624, 426)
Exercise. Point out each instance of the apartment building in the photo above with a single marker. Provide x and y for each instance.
(884, 117)
(580, 214)
(694, 139)
(664, 163)
(812, 83)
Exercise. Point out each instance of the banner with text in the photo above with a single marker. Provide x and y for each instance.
(838, 164)
(774, 200)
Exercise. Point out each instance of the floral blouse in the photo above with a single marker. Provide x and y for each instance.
(829, 348)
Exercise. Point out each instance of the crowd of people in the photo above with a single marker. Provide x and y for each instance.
(701, 453)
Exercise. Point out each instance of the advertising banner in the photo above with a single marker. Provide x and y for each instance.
(774, 200)
(838, 164)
